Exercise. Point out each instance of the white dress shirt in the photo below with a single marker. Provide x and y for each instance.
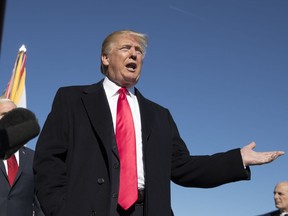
(111, 90)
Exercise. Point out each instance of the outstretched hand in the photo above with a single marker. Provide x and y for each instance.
(250, 157)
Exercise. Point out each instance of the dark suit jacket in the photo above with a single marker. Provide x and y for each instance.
(18, 200)
(76, 161)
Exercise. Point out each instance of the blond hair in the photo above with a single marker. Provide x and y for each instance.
(111, 38)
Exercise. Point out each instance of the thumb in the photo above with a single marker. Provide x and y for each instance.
(252, 145)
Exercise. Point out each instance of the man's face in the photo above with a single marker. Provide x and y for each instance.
(281, 196)
(124, 62)
(6, 107)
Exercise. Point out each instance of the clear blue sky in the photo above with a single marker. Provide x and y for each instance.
(221, 67)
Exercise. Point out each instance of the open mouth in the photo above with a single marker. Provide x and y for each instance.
(131, 66)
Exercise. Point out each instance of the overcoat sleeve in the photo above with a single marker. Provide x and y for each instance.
(204, 171)
(50, 171)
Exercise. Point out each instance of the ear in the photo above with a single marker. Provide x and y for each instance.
(105, 60)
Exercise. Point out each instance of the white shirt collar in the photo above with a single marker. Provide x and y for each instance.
(111, 88)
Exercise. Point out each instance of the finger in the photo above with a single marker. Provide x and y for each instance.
(275, 155)
(280, 153)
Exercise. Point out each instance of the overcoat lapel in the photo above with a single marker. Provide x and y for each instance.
(97, 107)
(3, 170)
(22, 163)
(147, 117)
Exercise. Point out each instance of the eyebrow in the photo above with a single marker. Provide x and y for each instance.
(137, 48)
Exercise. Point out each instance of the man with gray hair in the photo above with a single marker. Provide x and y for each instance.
(280, 200)
(17, 195)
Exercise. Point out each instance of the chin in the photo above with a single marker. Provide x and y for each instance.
(131, 81)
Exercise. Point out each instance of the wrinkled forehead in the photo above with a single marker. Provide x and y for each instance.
(120, 38)
(281, 187)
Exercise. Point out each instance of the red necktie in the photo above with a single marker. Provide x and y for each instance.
(126, 142)
(12, 169)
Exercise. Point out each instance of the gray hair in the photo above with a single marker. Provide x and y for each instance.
(3, 100)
